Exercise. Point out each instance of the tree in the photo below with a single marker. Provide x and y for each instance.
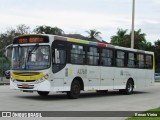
(157, 55)
(48, 30)
(121, 38)
(139, 40)
(7, 37)
(92, 33)
(23, 29)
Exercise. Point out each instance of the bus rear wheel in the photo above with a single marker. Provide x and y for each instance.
(42, 93)
(129, 88)
(75, 90)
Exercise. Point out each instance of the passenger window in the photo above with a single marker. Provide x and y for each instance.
(140, 61)
(92, 56)
(131, 60)
(120, 59)
(107, 57)
(148, 61)
(59, 56)
(77, 54)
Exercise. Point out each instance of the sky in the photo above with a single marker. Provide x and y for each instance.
(79, 16)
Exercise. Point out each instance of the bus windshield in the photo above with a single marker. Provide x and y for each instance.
(33, 57)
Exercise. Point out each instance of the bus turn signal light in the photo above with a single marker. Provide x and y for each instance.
(46, 76)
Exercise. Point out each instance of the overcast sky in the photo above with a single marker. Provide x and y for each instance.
(77, 16)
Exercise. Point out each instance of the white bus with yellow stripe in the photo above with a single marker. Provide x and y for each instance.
(45, 63)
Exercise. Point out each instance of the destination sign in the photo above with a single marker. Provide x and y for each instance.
(31, 39)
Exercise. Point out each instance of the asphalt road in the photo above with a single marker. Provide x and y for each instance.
(140, 100)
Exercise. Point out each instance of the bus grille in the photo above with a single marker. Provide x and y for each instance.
(28, 87)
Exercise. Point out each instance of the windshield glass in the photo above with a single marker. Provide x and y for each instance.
(31, 57)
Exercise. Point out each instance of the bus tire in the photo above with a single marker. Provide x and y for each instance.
(129, 87)
(42, 93)
(75, 89)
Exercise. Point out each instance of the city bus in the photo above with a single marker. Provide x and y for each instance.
(71, 65)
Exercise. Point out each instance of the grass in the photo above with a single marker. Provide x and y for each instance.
(154, 111)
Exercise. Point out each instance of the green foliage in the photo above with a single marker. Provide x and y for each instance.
(4, 65)
(140, 41)
(92, 33)
(7, 37)
(157, 55)
(123, 39)
(48, 30)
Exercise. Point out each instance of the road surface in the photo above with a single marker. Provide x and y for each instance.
(140, 100)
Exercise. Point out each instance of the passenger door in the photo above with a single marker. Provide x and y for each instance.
(59, 59)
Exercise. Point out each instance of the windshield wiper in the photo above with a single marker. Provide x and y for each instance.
(29, 52)
(19, 55)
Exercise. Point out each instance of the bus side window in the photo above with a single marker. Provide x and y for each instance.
(59, 56)
(107, 57)
(77, 54)
(148, 61)
(140, 61)
(59, 59)
(92, 56)
(131, 60)
(120, 58)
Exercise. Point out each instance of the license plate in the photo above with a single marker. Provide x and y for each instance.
(25, 85)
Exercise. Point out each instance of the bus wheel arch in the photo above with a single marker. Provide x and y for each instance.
(80, 81)
(76, 87)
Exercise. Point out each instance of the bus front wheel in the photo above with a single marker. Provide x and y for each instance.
(42, 93)
(75, 90)
(129, 88)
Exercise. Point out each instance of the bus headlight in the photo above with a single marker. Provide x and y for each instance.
(46, 76)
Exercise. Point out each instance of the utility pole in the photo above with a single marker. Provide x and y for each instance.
(132, 33)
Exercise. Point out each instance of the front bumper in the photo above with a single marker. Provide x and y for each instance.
(30, 86)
